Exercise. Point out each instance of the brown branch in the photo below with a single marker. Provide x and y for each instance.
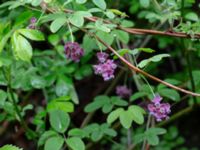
(135, 30)
(137, 70)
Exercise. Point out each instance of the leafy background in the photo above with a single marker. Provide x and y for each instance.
(54, 95)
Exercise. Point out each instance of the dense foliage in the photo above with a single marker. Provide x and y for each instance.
(99, 74)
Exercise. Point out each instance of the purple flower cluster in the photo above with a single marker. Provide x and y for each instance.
(106, 67)
(73, 51)
(31, 25)
(123, 91)
(159, 110)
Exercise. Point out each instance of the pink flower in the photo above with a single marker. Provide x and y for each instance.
(73, 51)
(106, 67)
(102, 57)
(123, 91)
(159, 110)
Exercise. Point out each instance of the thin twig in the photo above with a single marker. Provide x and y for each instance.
(131, 66)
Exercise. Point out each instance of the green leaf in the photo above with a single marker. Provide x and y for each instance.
(81, 1)
(47, 1)
(100, 3)
(114, 115)
(74, 95)
(125, 119)
(138, 138)
(137, 95)
(88, 44)
(60, 105)
(94, 10)
(110, 132)
(145, 3)
(22, 48)
(118, 12)
(169, 93)
(137, 114)
(134, 52)
(36, 2)
(38, 82)
(121, 52)
(107, 107)
(54, 39)
(127, 23)
(152, 135)
(192, 16)
(45, 136)
(101, 26)
(77, 19)
(143, 63)
(35, 35)
(3, 97)
(110, 14)
(62, 88)
(158, 57)
(118, 101)
(152, 139)
(155, 58)
(121, 35)
(156, 131)
(54, 143)
(59, 120)
(147, 50)
(75, 143)
(57, 24)
(106, 37)
(171, 81)
(98, 102)
(77, 132)
(96, 135)
(10, 147)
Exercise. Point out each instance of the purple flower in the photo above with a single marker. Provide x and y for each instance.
(102, 57)
(159, 110)
(106, 67)
(73, 51)
(31, 25)
(123, 91)
(33, 20)
(156, 100)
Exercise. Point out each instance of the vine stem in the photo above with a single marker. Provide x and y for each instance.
(70, 30)
(147, 127)
(19, 116)
(137, 70)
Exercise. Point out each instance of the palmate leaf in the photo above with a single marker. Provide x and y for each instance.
(137, 114)
(126, 119)
(114, 115)
(98, 102)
